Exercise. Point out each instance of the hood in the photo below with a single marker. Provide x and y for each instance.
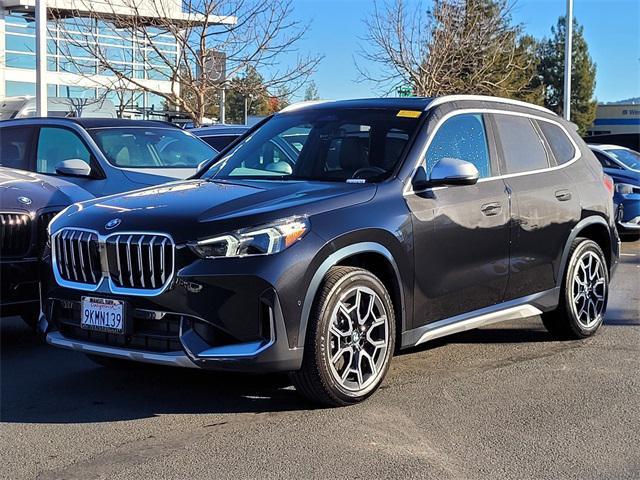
(623, 176)
(196, 209)
(37, 191)
(157, 176)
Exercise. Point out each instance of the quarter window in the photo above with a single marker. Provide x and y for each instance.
(462, 137)
(56, 145)
(521, 145)
(562, 148)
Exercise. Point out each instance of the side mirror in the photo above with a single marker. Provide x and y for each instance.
(419, 180)
(74, 167)
(453, 171)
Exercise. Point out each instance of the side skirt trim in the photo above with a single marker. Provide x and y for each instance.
(512, 310)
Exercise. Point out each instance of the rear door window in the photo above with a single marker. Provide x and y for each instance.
(14, 147)
(562, 148)
(522, 147)
(462, 137)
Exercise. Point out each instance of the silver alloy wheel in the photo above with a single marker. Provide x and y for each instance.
(588, 290)
(358, 339)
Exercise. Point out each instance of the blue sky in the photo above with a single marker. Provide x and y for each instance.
(612, 30)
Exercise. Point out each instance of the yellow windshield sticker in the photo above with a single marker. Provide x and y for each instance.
(409, 113)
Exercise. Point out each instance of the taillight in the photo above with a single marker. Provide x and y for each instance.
(608, 183)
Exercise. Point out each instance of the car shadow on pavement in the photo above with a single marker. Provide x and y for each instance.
(43, 384)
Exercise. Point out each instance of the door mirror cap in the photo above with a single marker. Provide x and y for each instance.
(74, 167)
(453, 171)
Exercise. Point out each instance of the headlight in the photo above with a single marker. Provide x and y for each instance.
(625, 188)
(263, 240)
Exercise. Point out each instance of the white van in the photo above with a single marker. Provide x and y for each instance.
(24, 107)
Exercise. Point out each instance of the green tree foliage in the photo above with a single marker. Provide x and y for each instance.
(583, 73)
(247, 87)
(450, 46)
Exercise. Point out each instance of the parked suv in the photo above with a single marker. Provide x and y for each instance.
(400, 221)
(29, 201)
(102, 155)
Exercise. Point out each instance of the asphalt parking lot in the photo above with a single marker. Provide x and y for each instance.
(501, 402)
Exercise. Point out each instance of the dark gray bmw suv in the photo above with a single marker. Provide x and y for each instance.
(395, 222)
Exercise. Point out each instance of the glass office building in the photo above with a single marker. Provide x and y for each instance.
(83, 77)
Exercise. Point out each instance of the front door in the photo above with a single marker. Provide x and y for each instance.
(461, 233)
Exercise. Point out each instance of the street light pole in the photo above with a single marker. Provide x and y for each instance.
(568, 40)
(41, 58)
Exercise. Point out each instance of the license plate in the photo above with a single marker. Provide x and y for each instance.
(102, 314)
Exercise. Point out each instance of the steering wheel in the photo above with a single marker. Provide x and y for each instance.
(377, 170)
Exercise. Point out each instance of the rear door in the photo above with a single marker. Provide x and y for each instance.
(461, 233)
(544, 200)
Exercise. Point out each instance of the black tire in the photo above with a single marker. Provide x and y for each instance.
(316, 380)
(563, 322)
(111, 363)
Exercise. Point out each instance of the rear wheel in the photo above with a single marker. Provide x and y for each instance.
(350, 339)
(584, 295)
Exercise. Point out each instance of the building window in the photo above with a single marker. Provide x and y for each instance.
(23, 89)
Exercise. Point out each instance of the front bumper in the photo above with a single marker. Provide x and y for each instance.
(628, 215)
(224, 314)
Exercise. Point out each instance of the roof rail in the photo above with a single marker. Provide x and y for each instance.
(453, 98)
(299, 105)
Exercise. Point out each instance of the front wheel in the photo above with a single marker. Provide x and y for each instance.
(350, 339)
(584, 294)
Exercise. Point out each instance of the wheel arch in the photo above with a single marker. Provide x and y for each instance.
(371, 256)
(594, 228)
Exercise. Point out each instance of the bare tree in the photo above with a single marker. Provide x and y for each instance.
(239, 33)
(456, 46)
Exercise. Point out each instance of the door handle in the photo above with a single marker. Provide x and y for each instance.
(563, 195)
(491, 209)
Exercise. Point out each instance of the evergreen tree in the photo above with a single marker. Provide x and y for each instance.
(583, 75)
(248, 88)
(450, 46)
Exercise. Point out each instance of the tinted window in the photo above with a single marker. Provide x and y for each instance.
(522, 147)
(220, 141)
(321, 145)
(605, 161)
(138, 147)
(14, 147)
(462, 137)
(562, 148)
(630, 158)
(56, 145)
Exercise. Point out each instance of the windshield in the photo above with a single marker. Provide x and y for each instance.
(341, 145)
(628, 157)
(144, 147)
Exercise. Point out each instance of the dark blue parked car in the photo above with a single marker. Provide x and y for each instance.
(623, 165)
